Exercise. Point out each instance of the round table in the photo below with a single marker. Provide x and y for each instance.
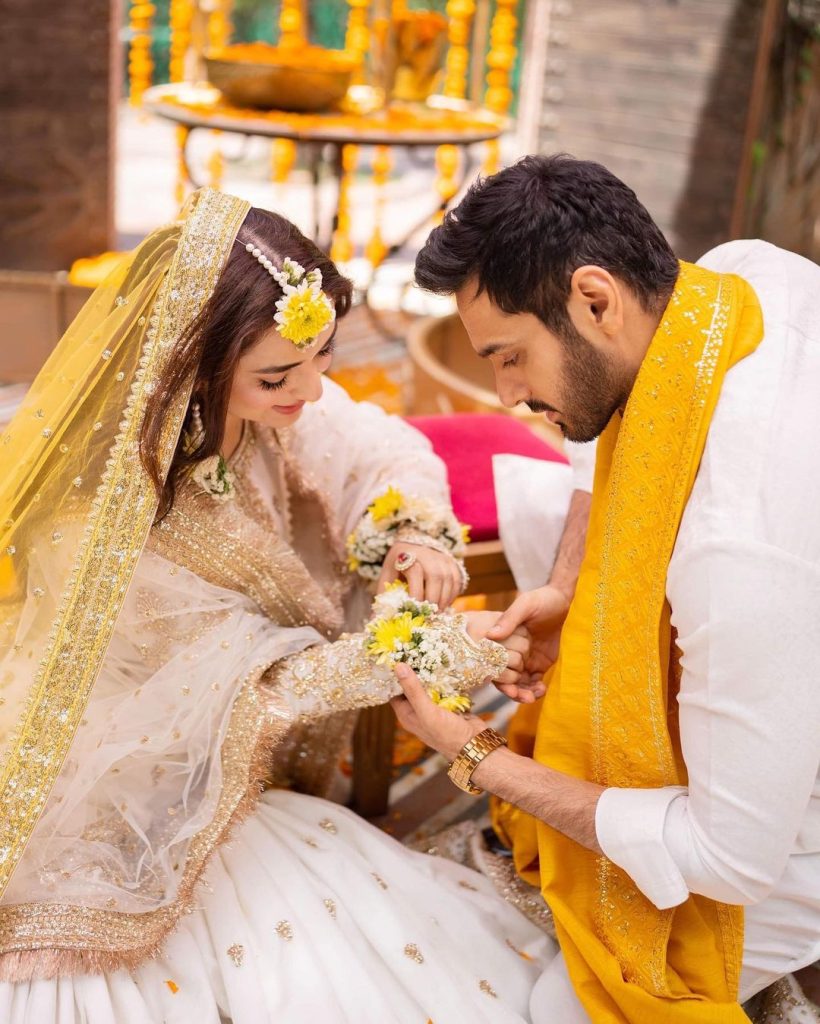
(406, 126)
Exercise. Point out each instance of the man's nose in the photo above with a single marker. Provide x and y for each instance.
(510, 392)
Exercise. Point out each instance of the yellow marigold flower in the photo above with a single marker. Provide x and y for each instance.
(303, 314)
(458, 702)
(396, 585)
(353, 563)
(386, 633)
(465, 533)
(387, 505)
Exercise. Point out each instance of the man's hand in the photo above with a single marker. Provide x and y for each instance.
(444, 731)
(517, 643)
(542, 613)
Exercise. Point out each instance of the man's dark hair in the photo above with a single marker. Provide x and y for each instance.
(523, 232)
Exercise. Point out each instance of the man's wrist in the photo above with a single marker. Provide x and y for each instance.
(564, 584)
(473, 726)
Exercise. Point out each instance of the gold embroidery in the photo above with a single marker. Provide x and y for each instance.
(344, 677)
(234, 545)
(412, 951)
(92, 940)
(170, 628)
(116, 524)
(622, 687)
(284, 930)
(236, 952)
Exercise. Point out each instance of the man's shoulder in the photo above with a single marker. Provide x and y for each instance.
(765, 266)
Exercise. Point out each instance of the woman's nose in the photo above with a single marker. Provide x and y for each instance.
(310, 383)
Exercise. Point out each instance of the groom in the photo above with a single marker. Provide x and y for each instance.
(664, 795)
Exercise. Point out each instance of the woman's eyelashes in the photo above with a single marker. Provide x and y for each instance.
(323, 353)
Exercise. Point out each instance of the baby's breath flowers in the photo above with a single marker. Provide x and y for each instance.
(404, 630)
(379, 527)
(214, 477)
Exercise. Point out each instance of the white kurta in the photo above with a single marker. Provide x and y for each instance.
(744, 588)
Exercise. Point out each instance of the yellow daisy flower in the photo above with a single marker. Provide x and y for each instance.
(458, 702)
(387, 505)
(304, 312)
(386, 633)
(465, 533)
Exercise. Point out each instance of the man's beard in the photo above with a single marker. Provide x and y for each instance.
(592, 388)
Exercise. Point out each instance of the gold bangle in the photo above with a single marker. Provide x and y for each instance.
(470, 757)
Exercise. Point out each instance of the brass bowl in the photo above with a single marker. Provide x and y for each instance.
(269, 79)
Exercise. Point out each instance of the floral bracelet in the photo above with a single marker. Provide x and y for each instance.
(434, 644)
(386, 516)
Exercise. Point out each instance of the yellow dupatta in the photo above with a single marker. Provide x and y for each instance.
(610, 713)
(76, 504)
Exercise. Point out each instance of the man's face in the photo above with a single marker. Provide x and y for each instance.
(576, 382)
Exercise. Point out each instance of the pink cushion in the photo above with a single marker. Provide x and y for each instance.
(466, 443)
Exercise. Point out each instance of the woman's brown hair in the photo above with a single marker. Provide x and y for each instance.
(238, 313)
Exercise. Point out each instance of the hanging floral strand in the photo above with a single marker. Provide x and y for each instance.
(500, 61)
(140, 63)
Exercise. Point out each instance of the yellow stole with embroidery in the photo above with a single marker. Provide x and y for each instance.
(610, 713)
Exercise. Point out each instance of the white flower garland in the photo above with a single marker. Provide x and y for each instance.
(379, 527)
(405, 630)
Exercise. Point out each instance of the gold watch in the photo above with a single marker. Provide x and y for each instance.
(470, 757)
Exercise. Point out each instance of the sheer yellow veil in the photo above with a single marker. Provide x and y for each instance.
(75, 503)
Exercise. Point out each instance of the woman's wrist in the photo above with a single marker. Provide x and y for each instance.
(392, 518)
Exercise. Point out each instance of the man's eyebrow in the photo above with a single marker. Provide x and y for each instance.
(490, 350)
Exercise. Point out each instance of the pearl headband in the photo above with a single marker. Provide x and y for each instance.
(304, 310)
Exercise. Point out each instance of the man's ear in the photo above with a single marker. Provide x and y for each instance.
(595, 302)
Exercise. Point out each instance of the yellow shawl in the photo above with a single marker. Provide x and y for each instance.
(610, 713)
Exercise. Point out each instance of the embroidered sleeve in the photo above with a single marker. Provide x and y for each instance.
(392, 517)
(351, 674)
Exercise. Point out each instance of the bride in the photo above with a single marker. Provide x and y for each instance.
(189, 515)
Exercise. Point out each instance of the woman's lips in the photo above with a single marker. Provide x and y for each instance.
(288, 410)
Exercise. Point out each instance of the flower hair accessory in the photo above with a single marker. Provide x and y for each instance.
(304, 310)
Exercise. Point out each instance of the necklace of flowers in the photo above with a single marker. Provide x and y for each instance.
(212, 474)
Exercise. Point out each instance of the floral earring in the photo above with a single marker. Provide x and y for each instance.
(212, 474)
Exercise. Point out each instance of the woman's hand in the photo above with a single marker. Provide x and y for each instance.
(431, 575)
(514, 679)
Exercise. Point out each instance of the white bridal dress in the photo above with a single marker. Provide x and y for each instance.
(159, 887)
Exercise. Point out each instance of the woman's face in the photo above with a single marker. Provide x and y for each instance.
(274, 378)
